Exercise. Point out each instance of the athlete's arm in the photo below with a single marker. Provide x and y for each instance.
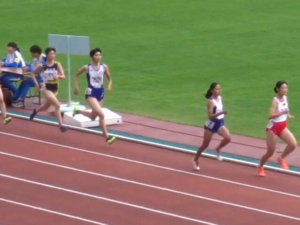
(272, 113)
(82, 70)
(289, 115)
(108, 76)
(34, 72)
(210, 107)
(61, 73)
(37, 69)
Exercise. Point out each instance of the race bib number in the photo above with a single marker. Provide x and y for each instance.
(96, 80)
(209, 124)
(88, 91)
(49, 76)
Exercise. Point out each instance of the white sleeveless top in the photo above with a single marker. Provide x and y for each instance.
(282, 106)
(95, 77)
(218, 107)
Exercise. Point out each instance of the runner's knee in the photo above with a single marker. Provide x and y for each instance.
(270, 152)
(93, 116)
(228, 138)
(56, 105)
(101, 115)
(293, 145)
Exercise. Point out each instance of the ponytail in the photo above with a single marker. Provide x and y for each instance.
(209, 91)
(17, 48)
(208, 94)
(275, 90)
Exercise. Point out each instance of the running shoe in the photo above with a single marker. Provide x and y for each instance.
(261, 171)
(7, 119)
(283, 164)
(195, 165)
(63, 129)
(110, 140)
(75, 111)
(32, 115)
(219, 157)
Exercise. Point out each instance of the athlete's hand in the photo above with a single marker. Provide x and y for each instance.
(225, 112)
(25, 69)
(285, 112)
(76, 91)
(37, 87)
(56, 77)
(291, 117)
(109, 88)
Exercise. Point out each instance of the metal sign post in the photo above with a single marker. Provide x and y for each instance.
(70, 45)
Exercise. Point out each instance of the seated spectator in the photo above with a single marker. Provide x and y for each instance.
(13, 59)
(38, 58)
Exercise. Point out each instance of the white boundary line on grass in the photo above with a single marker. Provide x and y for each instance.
(158, 145)
(138, 162)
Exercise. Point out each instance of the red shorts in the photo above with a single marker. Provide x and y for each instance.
(276, 128)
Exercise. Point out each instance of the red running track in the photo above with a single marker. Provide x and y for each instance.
(75, 178)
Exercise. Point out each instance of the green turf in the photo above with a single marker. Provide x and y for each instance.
(164, 54)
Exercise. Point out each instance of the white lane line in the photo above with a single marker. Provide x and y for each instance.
(142, 184)
(152, 165)
(107, 199)
(50, 211)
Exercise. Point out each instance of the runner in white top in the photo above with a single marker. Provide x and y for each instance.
(214, 124)
(94, 93)
(282, 106)
(277, 127)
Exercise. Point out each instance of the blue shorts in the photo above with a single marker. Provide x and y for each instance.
(214, 126)
(97, 93)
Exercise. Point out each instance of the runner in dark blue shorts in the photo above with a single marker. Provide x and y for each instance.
(94, 94)
(214, 124)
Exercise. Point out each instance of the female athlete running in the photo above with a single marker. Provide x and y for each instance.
(277, 127)
(94, 93)
(214, 124)
(51, 72)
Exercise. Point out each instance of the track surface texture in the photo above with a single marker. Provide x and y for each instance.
(76, 178)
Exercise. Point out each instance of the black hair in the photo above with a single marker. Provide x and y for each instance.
(278, 85)
(13, 45)
(49, 49)
(36, 49)
(211, 88)
(94, 51)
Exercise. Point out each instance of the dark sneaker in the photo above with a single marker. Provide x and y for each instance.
(63, 129)
(32, 115)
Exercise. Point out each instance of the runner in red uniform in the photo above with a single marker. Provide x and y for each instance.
(277, 127)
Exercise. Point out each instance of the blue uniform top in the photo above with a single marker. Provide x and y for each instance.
(14, 60)
(35, 62)
(95, 77)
